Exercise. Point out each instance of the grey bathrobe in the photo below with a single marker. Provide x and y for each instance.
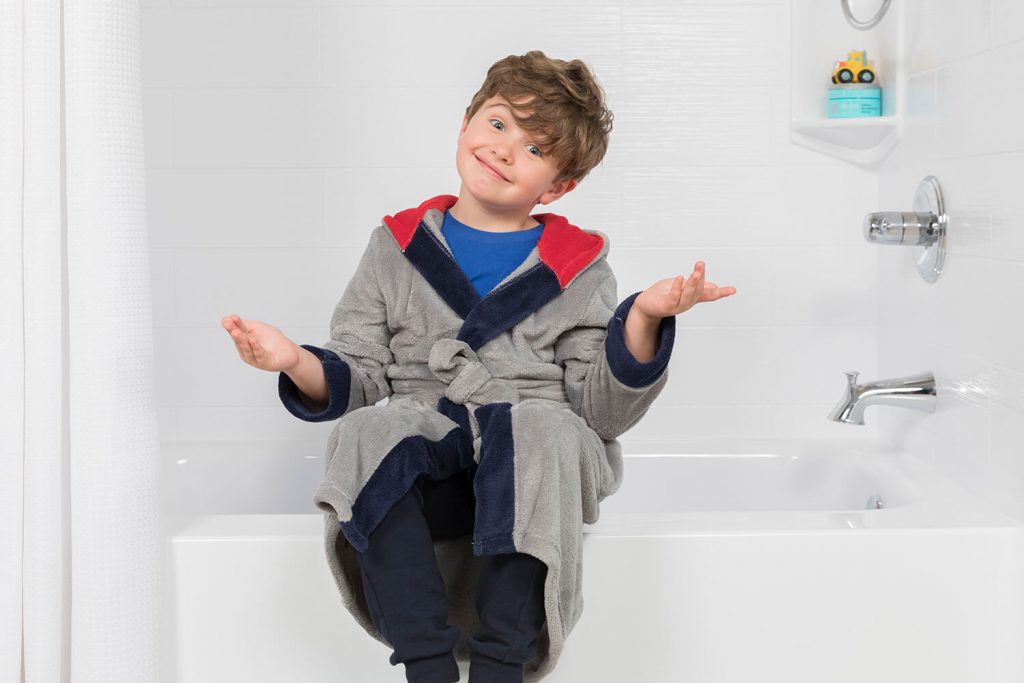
(531, 384)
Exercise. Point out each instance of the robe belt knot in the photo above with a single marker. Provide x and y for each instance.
(456, 364)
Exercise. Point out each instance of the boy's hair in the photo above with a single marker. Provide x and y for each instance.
(567, 110)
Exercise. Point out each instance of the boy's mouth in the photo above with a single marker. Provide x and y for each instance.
(493, 171)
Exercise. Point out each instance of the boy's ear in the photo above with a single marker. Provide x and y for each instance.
(557, 190)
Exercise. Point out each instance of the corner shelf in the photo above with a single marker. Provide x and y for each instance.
(820, 35)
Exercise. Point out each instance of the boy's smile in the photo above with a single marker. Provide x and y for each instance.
(505, 172)
(490, 168)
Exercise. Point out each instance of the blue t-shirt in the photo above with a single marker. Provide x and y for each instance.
(487, 257)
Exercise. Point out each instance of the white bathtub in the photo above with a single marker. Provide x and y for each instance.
(716, 562)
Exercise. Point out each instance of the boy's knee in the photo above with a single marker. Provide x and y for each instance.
(539, 417)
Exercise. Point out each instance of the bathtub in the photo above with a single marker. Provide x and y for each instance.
(718, 561)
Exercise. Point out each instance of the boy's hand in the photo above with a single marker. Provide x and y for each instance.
(261, 345)
(671, 296)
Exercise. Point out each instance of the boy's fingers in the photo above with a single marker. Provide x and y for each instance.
(242, 342)
(246, 351)
(690, 290)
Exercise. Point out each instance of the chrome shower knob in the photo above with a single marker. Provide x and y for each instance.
(925, 227)
(899, 227)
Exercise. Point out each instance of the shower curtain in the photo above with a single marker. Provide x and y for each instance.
(80, 548)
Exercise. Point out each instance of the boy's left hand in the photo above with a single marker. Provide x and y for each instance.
(671, 296)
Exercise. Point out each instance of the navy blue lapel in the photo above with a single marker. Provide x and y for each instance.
(508, 304)
(504, 306)
(440, 269)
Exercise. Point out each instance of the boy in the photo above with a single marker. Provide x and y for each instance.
(457, 507)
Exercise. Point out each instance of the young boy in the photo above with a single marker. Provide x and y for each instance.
(454, 512)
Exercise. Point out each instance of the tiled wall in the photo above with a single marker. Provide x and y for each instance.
(279, 132)
(963, 126)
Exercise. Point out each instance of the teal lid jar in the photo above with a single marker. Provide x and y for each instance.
(853, 101)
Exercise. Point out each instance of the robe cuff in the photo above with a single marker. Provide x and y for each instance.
(626, 368)
(339, 384)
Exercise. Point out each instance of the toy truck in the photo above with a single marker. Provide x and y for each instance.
(855, 69)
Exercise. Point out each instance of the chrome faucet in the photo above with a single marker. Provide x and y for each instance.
(915, 391)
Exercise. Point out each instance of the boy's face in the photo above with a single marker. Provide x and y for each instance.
(494, 137)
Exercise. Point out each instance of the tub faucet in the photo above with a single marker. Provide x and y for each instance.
(915, 391)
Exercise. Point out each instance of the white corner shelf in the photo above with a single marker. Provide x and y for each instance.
(820, 36)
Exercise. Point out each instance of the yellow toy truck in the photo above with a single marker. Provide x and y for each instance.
(855, 69)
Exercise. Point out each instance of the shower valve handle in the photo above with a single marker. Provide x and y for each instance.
(902, 227)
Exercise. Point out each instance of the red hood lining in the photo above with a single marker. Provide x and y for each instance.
(563, 247)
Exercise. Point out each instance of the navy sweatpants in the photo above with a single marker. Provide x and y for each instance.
(406, 596)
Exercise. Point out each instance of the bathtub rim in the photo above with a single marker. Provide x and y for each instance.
(940, 503)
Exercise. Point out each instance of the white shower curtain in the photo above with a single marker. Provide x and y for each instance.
(80, 549)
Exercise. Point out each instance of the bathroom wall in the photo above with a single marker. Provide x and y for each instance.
(279, 132)
(963, 126)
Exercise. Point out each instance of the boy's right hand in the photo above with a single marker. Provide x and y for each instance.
(261, 345)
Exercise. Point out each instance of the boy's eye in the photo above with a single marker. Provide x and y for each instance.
(498, 121)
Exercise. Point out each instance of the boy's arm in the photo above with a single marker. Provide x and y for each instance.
(310, 380)
(605, 383)
(354, 361)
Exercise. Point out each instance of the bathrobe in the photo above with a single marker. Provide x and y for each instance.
(531, 384)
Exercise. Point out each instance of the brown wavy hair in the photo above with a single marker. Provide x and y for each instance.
(566, 107)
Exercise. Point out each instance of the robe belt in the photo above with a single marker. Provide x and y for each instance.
(456, 364)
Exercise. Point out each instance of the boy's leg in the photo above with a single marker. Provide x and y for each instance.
(405, 593)
(449, 504)
(510, 605)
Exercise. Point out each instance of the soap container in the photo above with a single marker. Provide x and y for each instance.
(854, 100)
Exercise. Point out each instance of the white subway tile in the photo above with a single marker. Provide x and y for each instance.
(746, 206)
(237, 423)
(316, 127)
(241, 46)
(825, 285)
(199, 367)
(920, 139)
(1007, 459)
(1007, 21)
(721, 366)
(686, 47)
(665, 422)
(978, 103)
(1000, 176)
(961, 424)
(166, 420)
(806, 365)
(432, 45)
(709, 125)
(235, 208)
(285, 287)
(943, 31)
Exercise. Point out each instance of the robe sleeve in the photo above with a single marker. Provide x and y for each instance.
(606, 385)
(356, 358)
